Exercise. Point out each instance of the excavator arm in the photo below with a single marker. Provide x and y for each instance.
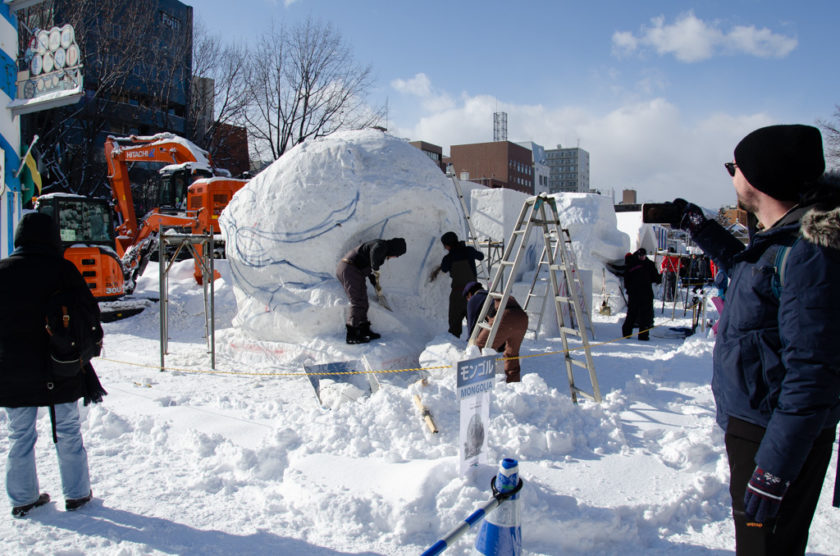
(165, 148)
(136, 256)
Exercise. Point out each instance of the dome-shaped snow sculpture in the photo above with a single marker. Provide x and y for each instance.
(287, 229)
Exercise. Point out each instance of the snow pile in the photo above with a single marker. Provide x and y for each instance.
(243, 460)
(288, 227)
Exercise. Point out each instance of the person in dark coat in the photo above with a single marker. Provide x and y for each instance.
(776, 378)
(359, 263)
(459, 262)
(639, 276)
(511, 330)
(29, 276)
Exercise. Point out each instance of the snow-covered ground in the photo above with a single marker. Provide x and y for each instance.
(244, 460)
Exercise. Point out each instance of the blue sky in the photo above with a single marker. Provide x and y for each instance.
(658, 92)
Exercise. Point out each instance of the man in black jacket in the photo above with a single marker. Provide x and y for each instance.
(360, 262)
(34, 271)
(639, 276)
(776, 376)
(459, 262)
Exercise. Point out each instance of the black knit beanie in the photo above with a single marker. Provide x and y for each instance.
(396, 247)
(780, 160)
(449, 239)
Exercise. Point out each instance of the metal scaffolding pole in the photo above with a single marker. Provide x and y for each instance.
(205, 262)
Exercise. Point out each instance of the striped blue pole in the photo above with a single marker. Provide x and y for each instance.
(503, 538)
(473, 519)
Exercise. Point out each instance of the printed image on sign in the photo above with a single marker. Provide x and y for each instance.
(475, 382)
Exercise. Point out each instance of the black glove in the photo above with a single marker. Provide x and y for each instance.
(690, 216)
(764, 496)
(372, 279)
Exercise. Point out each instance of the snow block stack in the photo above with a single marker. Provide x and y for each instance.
(500, 533)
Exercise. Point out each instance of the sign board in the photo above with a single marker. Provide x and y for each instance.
(341, 381)
(475, 382)
(53, 76)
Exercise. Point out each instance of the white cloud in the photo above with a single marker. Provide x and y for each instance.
(649, 146)
(760, 42)
(690, 39)
(624, 41)
(421, 87)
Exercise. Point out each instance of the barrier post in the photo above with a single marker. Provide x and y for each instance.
(506, 486)
(501, 533)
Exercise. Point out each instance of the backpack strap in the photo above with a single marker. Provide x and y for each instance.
(780, 268)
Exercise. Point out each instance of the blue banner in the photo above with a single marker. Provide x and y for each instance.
(476, 370)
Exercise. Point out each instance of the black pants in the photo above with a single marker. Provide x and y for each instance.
(457, 310)
(788, 536)
(639, 314)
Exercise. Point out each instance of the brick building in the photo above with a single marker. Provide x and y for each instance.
(498, 164)
(432, 151)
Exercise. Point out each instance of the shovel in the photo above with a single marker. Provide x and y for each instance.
(379, 295)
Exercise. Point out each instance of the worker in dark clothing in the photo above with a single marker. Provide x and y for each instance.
(361, 262)
(639, 276)
(459, 262)
(511, 330)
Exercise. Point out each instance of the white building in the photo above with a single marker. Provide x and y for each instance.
(541, 169)
(569, 170)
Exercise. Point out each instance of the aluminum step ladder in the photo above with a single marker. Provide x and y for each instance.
(541, 212)
(539, 291)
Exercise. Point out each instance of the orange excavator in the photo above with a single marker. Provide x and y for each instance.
(191, 194)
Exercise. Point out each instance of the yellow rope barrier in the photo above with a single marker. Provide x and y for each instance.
(326, 373)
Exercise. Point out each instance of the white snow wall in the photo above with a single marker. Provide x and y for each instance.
(286, 230)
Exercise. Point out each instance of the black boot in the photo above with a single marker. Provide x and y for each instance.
(354, 335)
(73, 504)
(365, 330)
(21, 511)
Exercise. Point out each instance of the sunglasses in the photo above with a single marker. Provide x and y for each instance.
(730, 167)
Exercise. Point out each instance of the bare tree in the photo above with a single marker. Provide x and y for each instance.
(220, 89)
(304, 84)
(831, 135)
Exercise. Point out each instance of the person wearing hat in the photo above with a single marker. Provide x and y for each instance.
(459, 262)
(33, 272)
(511, 330)
(776, 378)
(639, 276)
(361, 262)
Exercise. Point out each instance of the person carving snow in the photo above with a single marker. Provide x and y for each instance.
(359, 263)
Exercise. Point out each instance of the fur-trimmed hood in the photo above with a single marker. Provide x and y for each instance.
(822, 227)
(821, 222)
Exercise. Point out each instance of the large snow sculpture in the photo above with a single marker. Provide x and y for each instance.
(286, 230)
